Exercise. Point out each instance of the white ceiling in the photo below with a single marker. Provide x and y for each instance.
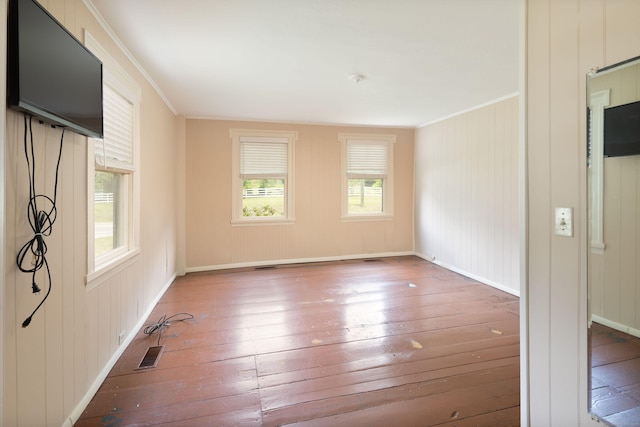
(290, 60)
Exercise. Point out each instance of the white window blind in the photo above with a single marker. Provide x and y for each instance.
(263, 157)
(115, 150)
(366, 159)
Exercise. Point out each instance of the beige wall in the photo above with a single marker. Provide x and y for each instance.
(466, 200)
(565, 39)
(318, 232)
(52, 366)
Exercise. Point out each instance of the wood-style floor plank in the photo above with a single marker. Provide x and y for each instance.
(392, 341)
(421, 404)
(615, 375)
(431, 412)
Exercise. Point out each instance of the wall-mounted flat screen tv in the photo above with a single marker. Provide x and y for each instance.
(50, 74)
(622, 130)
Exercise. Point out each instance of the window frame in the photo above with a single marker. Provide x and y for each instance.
(124, 186)
(236, 135)
(102, 267)
(388, 181)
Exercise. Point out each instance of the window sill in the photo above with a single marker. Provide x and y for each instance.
(110, 269)
(381, 217)
(262, 221)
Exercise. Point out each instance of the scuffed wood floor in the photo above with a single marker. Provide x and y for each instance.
(395, 341)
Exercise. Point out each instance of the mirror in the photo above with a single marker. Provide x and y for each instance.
(613, 180)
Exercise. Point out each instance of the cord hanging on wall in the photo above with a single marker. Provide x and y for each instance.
(41, 213)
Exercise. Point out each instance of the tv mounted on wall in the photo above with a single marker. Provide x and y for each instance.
(622, 130)
(50, 74)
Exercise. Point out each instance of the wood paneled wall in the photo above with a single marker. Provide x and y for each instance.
(466, 205)
(564, 40)
(52, 367)
(318, 233)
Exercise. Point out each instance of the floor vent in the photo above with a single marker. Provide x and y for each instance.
(266, 267)
(372, 260)
(151, 357)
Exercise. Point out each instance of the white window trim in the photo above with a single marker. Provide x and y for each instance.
(236, 198)
(388, 199)
(116, 77)
(598, 102)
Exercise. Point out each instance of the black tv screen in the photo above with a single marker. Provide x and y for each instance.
(622, 130)
(50, 74)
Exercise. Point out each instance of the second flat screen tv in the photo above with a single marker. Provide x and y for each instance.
(622, 130)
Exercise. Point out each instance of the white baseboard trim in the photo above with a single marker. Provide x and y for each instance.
(80, 407)
(295, 261)
(250, 264)
(615, 325)
(515, 292)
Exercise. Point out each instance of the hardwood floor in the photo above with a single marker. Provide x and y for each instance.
(615, 376)
(395, 341)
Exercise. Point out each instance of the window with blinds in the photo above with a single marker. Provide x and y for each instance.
(113, 179)
(263, 158)
(366, 159)
(115, 150)
(367, 174)
(263, 175)
(112, 172)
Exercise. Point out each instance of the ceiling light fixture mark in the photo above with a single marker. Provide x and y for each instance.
(356, 78)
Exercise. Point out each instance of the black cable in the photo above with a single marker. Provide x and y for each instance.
(164, 322)
(41, 221)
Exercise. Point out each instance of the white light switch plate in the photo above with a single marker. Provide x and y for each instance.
(564, 222)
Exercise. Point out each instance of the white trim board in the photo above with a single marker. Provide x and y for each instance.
(477, 107)
(615, 325)
(265, 263)
(482, 280)
(250, 264)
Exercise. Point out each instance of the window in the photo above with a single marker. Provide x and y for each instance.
(109, 212)
(367, 176)
(262, 176)
(112, 172)
(113, 178)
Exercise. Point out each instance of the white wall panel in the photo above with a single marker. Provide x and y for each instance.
(466, 206)
(564, 41)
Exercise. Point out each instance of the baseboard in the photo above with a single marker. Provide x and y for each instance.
(80, 407)
(615, 325)
(295, 261)
(250, 264)
(515, 292)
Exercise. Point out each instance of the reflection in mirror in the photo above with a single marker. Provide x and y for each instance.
(613, 97)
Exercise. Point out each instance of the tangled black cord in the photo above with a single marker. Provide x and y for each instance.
(40, 220)
(164, 322)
